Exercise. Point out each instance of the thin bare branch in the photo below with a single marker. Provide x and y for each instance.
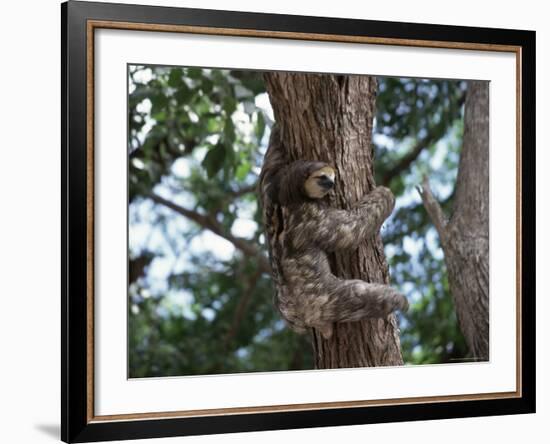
(408, 159)
(433, 208)
(211, 224)
(244, 190)
(241, 308)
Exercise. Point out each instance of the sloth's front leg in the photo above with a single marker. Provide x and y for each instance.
(334, 229)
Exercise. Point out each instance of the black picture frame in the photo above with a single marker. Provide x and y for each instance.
(76, 326)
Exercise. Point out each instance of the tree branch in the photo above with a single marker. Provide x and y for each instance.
(412, 155)
(244, 190)
(433, 208)
(211, 224)
(241, 308)
(408, 159)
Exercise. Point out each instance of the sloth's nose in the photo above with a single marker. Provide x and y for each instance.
(326, 183)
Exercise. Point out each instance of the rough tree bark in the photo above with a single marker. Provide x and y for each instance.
(465, 236)
(329, 118)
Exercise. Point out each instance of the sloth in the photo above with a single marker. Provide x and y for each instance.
(302, 230)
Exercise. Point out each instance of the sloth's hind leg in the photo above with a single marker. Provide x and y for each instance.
(353, 300)
(370, 300)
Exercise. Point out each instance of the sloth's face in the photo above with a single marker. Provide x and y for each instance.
(320, 182)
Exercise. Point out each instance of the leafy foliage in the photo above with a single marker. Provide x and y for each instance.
(419, 127)
(200, 297)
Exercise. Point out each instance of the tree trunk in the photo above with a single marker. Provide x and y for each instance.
(329, 118)
(465, 237)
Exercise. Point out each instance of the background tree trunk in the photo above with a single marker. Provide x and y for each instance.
(329, 118)
(465, 237)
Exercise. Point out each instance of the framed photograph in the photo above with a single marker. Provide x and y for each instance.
(275, 222)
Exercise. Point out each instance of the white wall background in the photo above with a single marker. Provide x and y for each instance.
(30, 226)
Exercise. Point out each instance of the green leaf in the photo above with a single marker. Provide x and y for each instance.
(160, 116)
(183, 95)
(229, 131)
(194, 73)
(243, 170)
(158, 103)
(207, 85)
(251, 80)
(213, 125)
(260, 126)
(230, 155)
(229, 105)
(214, 159)
(175, 77)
